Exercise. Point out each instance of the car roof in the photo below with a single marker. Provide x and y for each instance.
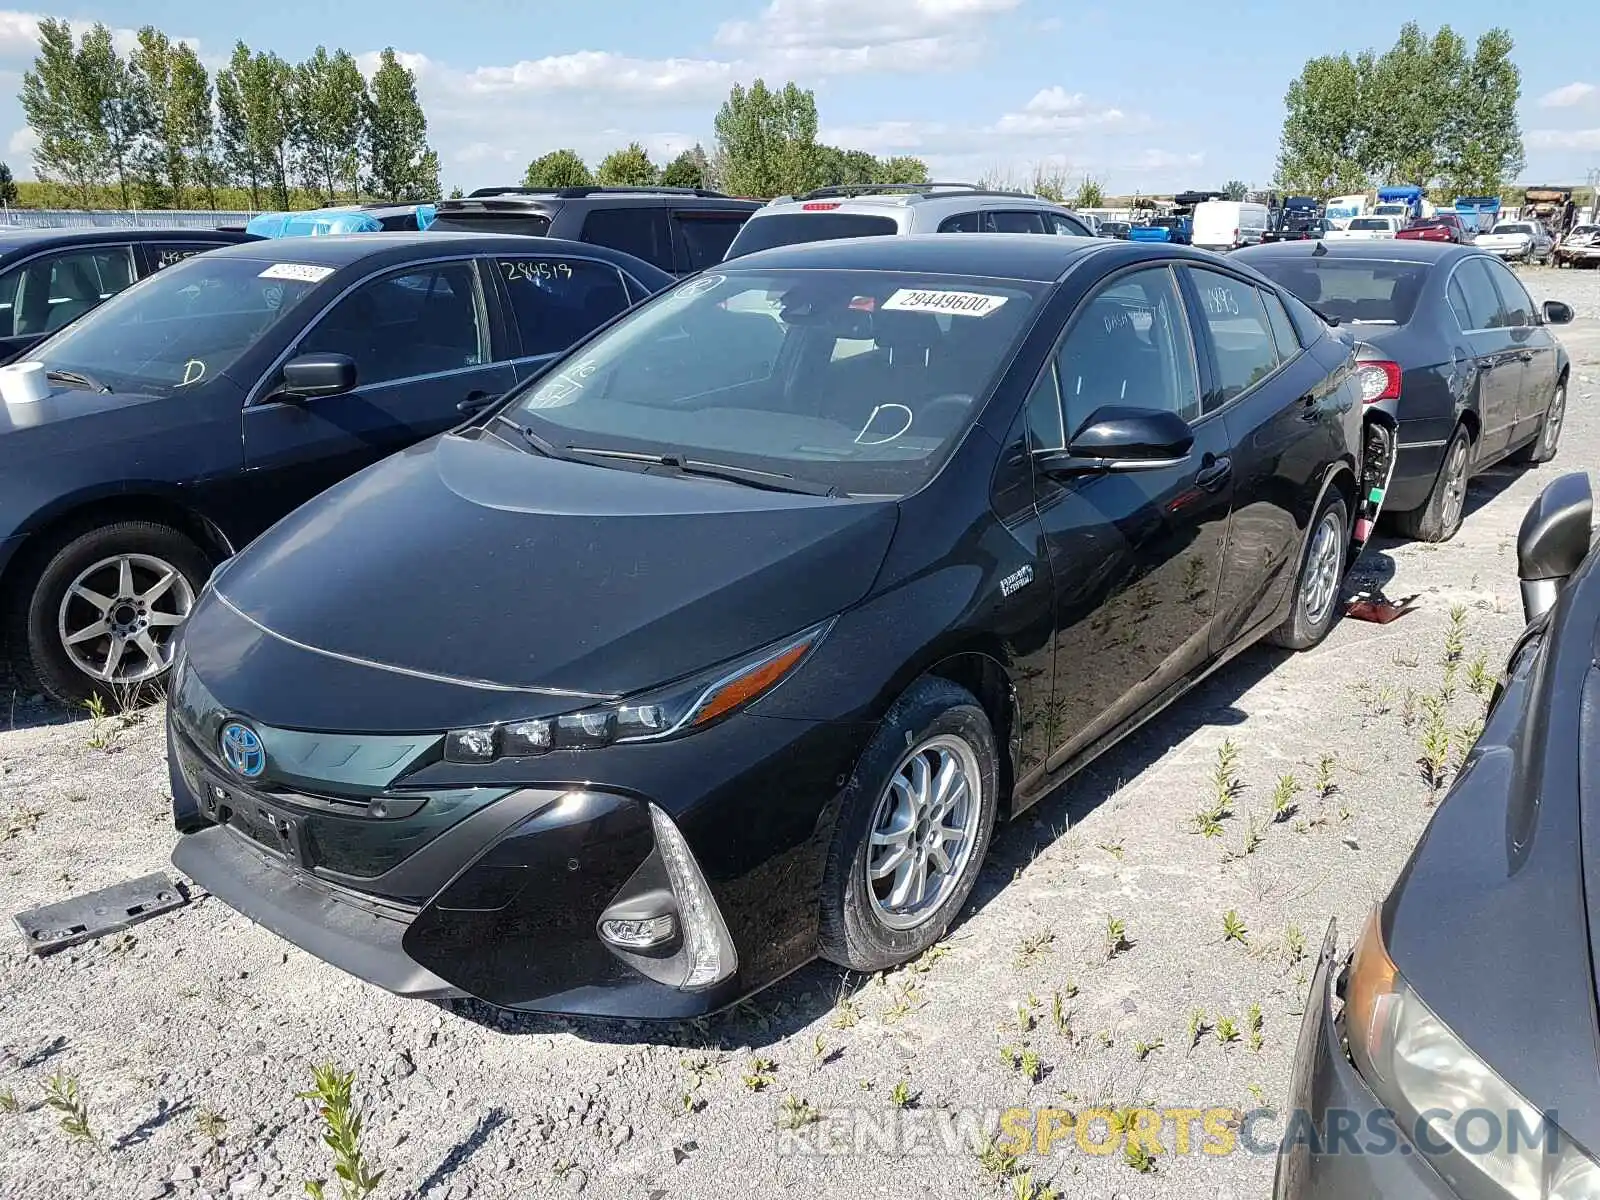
(1384, 250)
(512, 199)
(340, 249)
(1023, 256)
(845, 199)
(14, 237)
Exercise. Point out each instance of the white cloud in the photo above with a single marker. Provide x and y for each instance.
(1053, 111)
(843, 36)
(23, 143)
(1162, 160)
(1568, 96)
(1565, 139)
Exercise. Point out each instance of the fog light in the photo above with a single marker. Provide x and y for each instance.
(639, 935)
(707, 946)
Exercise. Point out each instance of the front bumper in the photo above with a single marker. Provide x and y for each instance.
(1323, 1085)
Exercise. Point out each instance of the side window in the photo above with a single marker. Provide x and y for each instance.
(164, 254)
(422, 321)
(1129, 345)
(1046, 428)
(1283, 330)
(641, 232)
(60, 288)
(1514, 303)
(1473, 296)
(1015, 222)
(555, 302)
(705, 237)
(8, 301)
(1241, 337)
(1066, 226)
(970, 222)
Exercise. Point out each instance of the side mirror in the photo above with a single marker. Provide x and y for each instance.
(1557, 313)
(1122, 439)
(314, 375)
(1554, 541)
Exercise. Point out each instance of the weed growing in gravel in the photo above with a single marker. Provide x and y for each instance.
(994, 1158)
(1233, 928)
(1198, 1028)
(1023, 1061)
(1249, 842)
(1033, 946)
(1143, 1050)
(1258, 1094)
(1408, 709)
(102, 735)
(62, 1093)
(1113, 848)
(1435, 741)
(9, 1102)
(1283, 794)
(1294, 943)
(1252, 1027)
(1137, 1157)
(1324, 784)
(333, 1095)
(1224, 786)
(1226, 1030)
(1116, 937)
(1059, 1017)
(211, 1126)
(901, 1095)
(929, 958)
(699, 1068)
(796, 1113)
(1455, 635)
(23, 820)
(846, 1012)
(907, 997)
(821, 1052)
(760, 1075)
(1024, 1188)
(1479, 681)
(1028, 1014)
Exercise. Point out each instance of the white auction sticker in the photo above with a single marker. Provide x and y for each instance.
(955, 304)
(303, 272)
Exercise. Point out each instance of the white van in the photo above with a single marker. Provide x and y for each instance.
(1228, 224)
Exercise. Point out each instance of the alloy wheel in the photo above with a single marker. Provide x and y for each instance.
(1320, 582)
(923, 831)
(118, 618)
(1455, 486)
(1551, 434)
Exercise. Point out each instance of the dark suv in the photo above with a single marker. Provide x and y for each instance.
(681, 230)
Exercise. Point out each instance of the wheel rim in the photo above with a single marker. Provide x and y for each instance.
(923, 831)
(118, 619)
(1455, 486)
(1320, 583)
(1552, 419)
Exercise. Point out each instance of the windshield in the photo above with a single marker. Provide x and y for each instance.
(788, 229)
(186, 323)
(1356, 291)
(857, 380)
(1168, 222)
(1370, 223)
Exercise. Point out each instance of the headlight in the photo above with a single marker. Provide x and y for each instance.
(678, 708)
(1415, 1065)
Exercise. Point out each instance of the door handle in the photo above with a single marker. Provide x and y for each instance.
(475, 403)
(1214, 474)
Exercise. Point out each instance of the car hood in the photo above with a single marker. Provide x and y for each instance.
(471, 564)
(73, 418)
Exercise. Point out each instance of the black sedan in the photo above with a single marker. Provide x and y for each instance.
(51, 277)
(1462, 1063)
(193, 410)
(726, 641)
(1472, 367)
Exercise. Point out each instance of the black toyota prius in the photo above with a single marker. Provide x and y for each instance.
(725, 641)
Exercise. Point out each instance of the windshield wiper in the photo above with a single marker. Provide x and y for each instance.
(682, 464)
(76, 379)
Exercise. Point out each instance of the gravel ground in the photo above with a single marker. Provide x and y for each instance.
(199, 1016)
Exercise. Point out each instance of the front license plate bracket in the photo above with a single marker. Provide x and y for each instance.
(53, 927)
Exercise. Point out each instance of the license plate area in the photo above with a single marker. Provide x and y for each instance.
(276, 830)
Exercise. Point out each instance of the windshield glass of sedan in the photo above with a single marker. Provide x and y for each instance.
(857, 380)
(1356, 291)
(186, 323)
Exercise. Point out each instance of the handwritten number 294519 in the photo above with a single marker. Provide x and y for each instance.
(533, 270)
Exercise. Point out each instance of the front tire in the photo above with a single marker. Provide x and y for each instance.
(914, 825)
(99, 614)
(1440, 516)
(1315, 604)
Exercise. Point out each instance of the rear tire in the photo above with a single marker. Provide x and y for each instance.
(867, 924)
(1315, 605)
(76, 612)
(1547, 441)
(1441, 514)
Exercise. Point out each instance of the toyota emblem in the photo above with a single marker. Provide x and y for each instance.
(242, 749)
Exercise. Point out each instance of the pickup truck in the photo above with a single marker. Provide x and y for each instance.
(1580, 248)
(1441, 227)
(1525, 241)
(1365, 229)
(1163, 229)
(1299, 220)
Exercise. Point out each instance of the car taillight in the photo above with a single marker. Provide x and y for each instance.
(819, 206)
(1380, 380)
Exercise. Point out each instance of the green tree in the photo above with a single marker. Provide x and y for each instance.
(330, 106)
(401, 164)
(902, 168)
(60, 110)
(689, 170)
(836, 167)
(194, 123)
(457, 194)
(627, 167)
(1322, 149)
(1236, 189)
(558, 169)
(113, 92)
(160, 161)
(767, 140)
(1090, 194)
(253, 98)
(1483, 140)
(8, 185)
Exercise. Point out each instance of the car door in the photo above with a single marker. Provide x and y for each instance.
(41, 294)
(424, 343)
(641, 231)
(1487, 343)
(1535, 347)
(1283, 415)
(552, 302)
(1136, 555)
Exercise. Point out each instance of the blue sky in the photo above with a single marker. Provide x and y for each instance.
(1181, 95)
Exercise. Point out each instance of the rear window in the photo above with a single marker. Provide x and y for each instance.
(1370, 223)
(528, 224)
(789, 229)
(1354, 290)
(1513, 227)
